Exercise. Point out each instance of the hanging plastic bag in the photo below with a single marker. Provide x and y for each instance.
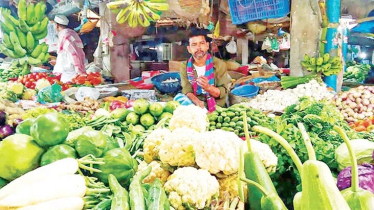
(231, 46)
(51, 94)
(266, 45)
(274, 44)
(84, 92)
(285, 44)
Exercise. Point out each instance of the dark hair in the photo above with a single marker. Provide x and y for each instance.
(198, 32)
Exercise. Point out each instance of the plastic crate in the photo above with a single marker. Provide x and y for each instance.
(243, 11)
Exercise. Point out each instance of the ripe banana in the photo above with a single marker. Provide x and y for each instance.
(142, 18)
(22, 11)
(30, 14)
(157, 6)
(115, 5)
(150, 14)
(158, 1)
(21, 37)
(133, 18)
(124, 14)
(30, 42)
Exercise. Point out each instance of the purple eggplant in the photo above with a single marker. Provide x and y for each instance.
(2, 118)
(6, 130)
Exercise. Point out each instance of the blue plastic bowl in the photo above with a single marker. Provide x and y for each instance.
(167, 87)
(248, 91)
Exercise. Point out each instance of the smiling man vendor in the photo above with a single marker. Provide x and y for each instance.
(204, 78)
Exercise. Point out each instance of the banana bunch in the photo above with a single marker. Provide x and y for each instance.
(326, 65)
(17, 68)
(138, 12)
(21, 36)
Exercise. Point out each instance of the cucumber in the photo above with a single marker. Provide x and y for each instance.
(223, 114)
(219, 125)
(230, 114)
(240, 123)
(235, 119)
(212, 123)
(227, 119)
(225, 125)
(232, 124)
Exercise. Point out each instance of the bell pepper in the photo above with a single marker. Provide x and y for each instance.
(24, 126)
(91, 142)
(57, 152)
(118, 162)
(50, 129)
(356, 197)
(19, 154)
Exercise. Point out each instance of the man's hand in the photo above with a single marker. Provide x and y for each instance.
(199, 103)
(203, 82)
(52, 62)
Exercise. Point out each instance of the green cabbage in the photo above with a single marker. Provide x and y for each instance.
(362, 148)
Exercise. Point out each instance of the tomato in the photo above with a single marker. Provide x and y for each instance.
(28, 84)
(360, 128)
(96, 74)
(367, 122)
(90, 77)
(81, 80)
(33, 86)
(96, 81)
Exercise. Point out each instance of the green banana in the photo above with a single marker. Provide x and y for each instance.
(4, 28)
(335, 60)
(312, 61)
(7, 52)
(25, 70)
(21, 37)
(22, 61)
(30, 14)
(157, 6)
(41, 56)
(41, 35)
(45, 47)
(22, 11)
(36, 52)
(18, 50)
(326, 58)
(37, 10)
(326, 66)
(8, 44)
(8, 23)
(30, 42)
(9, 17)
(23, 26)
(43, 24)
(319, 61)
(35, 28)
(306, 58)
(46, 57)
(13, 38)
(42, 11)
(33, 61)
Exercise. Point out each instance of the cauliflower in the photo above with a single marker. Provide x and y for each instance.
(152, 144)
(218, 151)
(190, 116)
(228, 186)
(191, 188)
(42, 83)
(157, 172)
(28, 94)
(178, 147)
(16, 87)
(269, 159)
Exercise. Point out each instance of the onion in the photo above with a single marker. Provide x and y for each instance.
(352, 105)
(358, 100)
(366, 102)
(368, 114)
(361, 116)
(366, 92)
(345, 114)
(344, 96)
(350, 119)
(355, 110)
(356, 94)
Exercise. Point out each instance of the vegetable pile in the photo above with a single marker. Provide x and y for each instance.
(356, 73)
(356, 104)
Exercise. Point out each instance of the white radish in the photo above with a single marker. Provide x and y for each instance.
(60, 167)
(45, 190)
(68, 203)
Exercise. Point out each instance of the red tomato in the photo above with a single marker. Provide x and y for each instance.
(28, 84)
(96, 81)
(367, 122)
(81, 80)
(360, 128)
(32, 86)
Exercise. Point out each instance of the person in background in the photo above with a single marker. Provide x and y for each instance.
(270, 64)
(204, 78)
(70, 55)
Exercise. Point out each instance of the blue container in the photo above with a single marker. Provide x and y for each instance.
(167, 87)
(248, 91)
(243, 11)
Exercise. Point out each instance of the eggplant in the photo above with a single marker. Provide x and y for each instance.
(2, 118)
(6, 130)
(16, 122)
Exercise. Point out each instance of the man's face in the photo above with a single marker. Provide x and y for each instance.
(198, 47)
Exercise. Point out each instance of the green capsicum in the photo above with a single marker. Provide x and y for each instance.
(118, 162)
(49, 129)
(24, 126)
(57, 152)
(91, 142)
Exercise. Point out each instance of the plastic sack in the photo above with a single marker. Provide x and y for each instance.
(84, 92)
(231, 46)
(51, 94)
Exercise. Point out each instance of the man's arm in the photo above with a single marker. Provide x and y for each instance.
(221, 78)
(187, 87)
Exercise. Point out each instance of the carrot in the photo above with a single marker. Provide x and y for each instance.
(45, 190)
(60, 167)
(71, 203)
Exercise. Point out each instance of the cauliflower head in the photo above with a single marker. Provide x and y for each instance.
(190, 116)
(152, 144)
(267, 156)
(218, 151)
(228, 186)
(157, 172)
(191, 188)
(178, 147)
